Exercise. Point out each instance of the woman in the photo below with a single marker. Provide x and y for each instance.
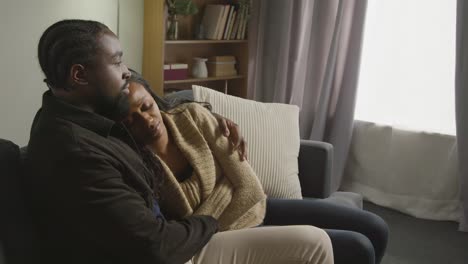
(357, 236)
(203, 175)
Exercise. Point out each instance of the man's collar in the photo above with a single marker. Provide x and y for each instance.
(89, 120)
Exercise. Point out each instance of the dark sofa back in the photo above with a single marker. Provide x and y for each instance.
(16, 230)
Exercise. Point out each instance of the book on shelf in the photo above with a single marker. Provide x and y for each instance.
(242, 23)
(236, 24)
(231, 23)
(244, 26)
(246, 22)
(241, 18)
(212, 20)
(229, 8)
(242, 30)
(219, 26)
(228, 21)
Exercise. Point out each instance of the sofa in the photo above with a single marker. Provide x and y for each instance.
(17, 240)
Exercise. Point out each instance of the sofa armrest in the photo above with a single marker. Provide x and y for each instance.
(315, 168)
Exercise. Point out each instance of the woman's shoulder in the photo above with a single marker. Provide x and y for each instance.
(190, 113)
(191, 108)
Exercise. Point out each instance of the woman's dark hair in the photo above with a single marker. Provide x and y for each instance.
(147, 155)
(151, 162)
(155, 167)
(163, 103)
(65, 43)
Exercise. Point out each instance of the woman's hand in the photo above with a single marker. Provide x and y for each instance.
(231, 130)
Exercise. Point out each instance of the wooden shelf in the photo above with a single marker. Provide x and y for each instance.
(194, 41)
(157, 51)
(209, 79)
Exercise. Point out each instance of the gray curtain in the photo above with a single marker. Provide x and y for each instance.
(461, 95)
(307, 53)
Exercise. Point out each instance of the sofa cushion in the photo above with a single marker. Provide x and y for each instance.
(272, 134)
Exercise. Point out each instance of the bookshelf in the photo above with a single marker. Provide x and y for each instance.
(157, 51)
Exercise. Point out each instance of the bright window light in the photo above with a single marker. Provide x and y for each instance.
(407, 74)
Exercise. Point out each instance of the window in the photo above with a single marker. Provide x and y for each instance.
(408, 65)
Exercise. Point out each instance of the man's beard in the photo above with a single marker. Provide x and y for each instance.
(115, 108)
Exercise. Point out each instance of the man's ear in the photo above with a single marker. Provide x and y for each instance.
(78, 75)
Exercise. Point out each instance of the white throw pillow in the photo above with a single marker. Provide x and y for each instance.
(272, 134)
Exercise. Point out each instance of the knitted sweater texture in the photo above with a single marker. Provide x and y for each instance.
(221, 185)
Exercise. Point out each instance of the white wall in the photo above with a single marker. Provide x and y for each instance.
(131, 32)
(21, 25)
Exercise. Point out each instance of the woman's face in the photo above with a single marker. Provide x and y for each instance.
(144, 118)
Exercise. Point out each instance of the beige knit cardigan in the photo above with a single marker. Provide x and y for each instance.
(221, 185)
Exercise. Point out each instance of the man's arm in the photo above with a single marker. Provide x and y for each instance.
(108, 214)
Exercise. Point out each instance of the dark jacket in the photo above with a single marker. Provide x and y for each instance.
(91, 198)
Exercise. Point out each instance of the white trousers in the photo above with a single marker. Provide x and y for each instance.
(269, 245)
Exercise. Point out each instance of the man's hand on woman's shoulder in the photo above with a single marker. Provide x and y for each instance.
(231, 130)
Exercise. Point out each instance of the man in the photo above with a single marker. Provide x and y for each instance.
(84, 170)
(90, 192)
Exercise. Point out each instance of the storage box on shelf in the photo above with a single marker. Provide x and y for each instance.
(222, 66)
(175, 71)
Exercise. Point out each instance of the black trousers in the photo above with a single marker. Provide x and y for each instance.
(357, 236)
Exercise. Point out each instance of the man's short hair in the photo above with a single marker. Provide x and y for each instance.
(65, 43)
